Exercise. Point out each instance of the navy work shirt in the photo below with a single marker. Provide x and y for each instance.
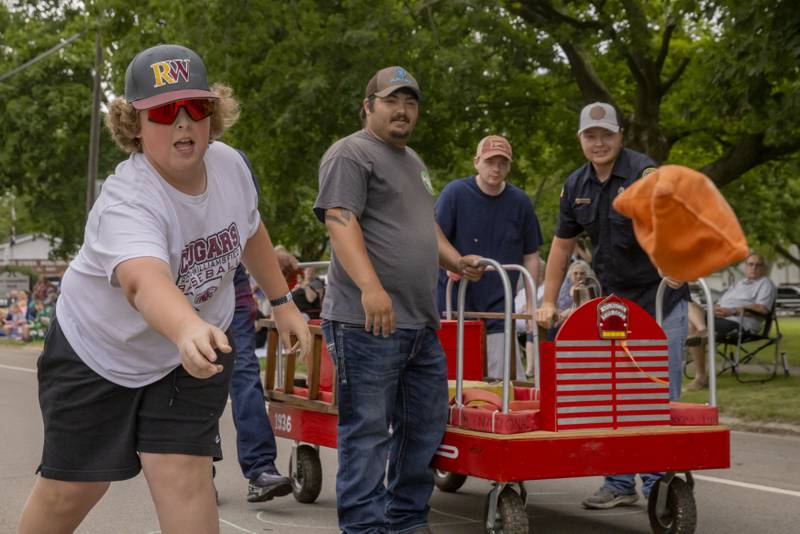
(502, 227)
(621, 265)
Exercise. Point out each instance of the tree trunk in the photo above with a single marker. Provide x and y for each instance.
(787, 254)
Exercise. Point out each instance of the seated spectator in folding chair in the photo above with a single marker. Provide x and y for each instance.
(746, 303)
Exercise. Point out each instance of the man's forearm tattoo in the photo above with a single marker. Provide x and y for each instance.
(343, 218)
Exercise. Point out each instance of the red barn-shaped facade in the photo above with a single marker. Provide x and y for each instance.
(610, 369)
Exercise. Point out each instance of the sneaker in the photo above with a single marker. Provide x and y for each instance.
(268, 485)
(606, 497)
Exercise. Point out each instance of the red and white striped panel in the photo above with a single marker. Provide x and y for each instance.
(642, 393)
(598, 386)
(584, 384)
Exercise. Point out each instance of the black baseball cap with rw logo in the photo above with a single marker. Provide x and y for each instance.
(165, 73)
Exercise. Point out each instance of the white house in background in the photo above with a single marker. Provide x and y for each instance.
(32, 250)
(785, 272)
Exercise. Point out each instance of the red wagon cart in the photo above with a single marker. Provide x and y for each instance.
(602, 407)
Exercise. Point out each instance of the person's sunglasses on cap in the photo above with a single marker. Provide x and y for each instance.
(197, 109)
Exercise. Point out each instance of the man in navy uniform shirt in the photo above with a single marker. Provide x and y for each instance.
(621, 265)
(485, 215)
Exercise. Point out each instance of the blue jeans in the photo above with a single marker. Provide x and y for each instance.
(675, 326)
(392, 395)
(255, 442)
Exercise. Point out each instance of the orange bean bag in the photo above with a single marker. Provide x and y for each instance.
(683, 222)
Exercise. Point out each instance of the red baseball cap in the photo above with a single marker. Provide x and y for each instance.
(493, 145)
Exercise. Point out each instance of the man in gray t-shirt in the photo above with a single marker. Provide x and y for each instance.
(379, 314)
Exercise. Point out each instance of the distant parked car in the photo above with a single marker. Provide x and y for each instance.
(788, 299)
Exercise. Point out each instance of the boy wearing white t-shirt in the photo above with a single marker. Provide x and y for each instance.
(136, 366)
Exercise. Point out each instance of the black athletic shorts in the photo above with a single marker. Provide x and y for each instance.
(93, 428)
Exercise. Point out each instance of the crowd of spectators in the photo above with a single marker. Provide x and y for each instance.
(28, 315)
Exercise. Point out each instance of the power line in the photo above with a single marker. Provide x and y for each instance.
(40, 57)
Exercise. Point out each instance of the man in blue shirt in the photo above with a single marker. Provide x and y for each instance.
(622, 267)
(485, 215)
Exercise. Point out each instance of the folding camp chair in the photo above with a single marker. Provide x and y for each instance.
(741, 348)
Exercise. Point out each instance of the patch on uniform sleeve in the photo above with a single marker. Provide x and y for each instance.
(562, 193)
(647, 171)
(426, 180)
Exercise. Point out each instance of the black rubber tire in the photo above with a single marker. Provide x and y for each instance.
(680, 517)
(308, 484)
(447, 481)
(511, 517)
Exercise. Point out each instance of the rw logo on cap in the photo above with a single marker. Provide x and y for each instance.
(170, 72)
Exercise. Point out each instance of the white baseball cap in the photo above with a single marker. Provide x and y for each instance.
(599, 115)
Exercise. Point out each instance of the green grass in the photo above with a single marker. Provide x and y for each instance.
(776, 401)
(790, 328)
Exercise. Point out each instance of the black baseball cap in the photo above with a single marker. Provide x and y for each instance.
(165, 73)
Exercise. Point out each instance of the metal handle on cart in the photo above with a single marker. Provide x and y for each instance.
(279, 366)
(531, 297)
(508, 305)
(711, 363)
(314, 264)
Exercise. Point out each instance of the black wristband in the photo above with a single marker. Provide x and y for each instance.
(281, 300)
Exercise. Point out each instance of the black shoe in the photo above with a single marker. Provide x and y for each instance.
(268, 485)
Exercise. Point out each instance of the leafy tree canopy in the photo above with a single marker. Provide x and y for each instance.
(713, 85)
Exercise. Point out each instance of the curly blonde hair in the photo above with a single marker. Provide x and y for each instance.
(122, 119)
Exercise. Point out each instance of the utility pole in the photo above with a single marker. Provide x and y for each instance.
(94, 133)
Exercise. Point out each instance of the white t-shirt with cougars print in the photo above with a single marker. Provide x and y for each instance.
(138, 214)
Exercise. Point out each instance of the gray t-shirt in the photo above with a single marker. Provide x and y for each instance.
(388, 189)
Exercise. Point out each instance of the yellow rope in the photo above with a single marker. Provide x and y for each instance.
(645, 373)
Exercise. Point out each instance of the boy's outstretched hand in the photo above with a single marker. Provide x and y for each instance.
(198, 346)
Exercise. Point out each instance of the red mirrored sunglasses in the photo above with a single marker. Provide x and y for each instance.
(197, 108)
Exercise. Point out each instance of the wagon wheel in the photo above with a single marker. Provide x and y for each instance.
(680, 513)
(307, 479)
(510, 517)
(447, 481)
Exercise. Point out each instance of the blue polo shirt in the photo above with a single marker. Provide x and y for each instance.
(502, 227)
(620, 264)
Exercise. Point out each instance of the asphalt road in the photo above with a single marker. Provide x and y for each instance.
(760, 493)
